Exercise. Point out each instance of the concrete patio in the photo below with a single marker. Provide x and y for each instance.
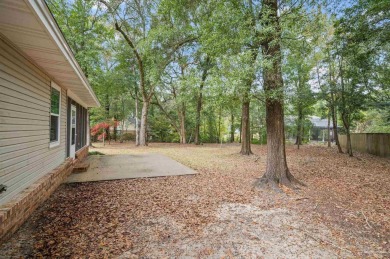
(114, 167)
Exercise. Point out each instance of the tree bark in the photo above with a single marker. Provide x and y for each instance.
(298, 141)
(199, 102)
(347, 129)
(146, 89)
(334, 122)
(245, 128)
(349, 143)
(136, 120)
(219, 124)
(332, 103)
(107, 110)
(240, 140)
(261, 124)
(144, 122)
(232, 128)
(329, 145)
(143, 136)
(245, 137)
(198, 111)
(277, 171)
(142, 84)
(182, 117)
(344, 113)
(115, 135)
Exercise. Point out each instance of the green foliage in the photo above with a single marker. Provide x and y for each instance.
(374, 121)
(340, 60)
(128, 136)
(95, 153)
(361, 43)
(85, 30)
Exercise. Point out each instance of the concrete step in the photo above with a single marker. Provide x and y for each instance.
(81, 167)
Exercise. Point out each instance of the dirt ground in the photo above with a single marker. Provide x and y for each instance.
(343, 212)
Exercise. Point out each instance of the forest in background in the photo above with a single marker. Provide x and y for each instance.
(195, 71)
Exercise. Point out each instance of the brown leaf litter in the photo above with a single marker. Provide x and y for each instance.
(343, 211)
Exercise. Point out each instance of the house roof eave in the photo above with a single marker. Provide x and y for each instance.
(45, 16)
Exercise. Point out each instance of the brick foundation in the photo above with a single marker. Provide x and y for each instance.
(15, 212)
(81, 154)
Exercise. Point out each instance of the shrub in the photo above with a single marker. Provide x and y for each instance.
(129, 136)
(99, 130)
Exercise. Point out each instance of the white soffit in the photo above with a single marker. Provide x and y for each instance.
(29, 25)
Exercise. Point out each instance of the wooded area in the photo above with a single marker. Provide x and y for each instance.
(224, 71)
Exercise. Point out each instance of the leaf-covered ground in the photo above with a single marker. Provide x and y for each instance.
(343, 212)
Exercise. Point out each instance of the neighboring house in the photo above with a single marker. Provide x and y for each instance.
(318, 129)
(44, 97)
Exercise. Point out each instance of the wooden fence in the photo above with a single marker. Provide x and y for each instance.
(373, 143)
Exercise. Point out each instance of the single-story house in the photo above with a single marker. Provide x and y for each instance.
(44, 101)
(318, 129)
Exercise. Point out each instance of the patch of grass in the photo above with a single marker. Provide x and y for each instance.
(94, 153)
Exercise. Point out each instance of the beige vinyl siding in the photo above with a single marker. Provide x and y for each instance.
(25, 155)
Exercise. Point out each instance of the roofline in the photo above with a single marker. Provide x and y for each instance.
(46, 17)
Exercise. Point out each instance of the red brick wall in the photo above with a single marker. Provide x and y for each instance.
(15, 212)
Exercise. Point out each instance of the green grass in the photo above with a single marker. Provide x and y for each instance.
(92, 153)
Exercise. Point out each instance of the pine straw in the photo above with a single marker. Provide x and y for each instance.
(348, 196)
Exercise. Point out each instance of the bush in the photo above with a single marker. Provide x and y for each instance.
(129, 136)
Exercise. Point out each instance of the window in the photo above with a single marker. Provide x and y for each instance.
(55, 109)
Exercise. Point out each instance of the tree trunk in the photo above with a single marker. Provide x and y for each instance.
(277, 171)
(115, 135)
(147, 92)
(332, 102)
(107, 110)
(245, 128)
(251, 131)
(261, 123)
(232, 128)
(240, 140)
(349, 143)
(199, 101)
(335, 130)
(347, 129)
(136, 120)
(298, 141)
(198, 111)
(182, 117)
(219, 124)
(344, 113)
(329, 128)
(144, 123)
(245, 137)
(344, 109)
